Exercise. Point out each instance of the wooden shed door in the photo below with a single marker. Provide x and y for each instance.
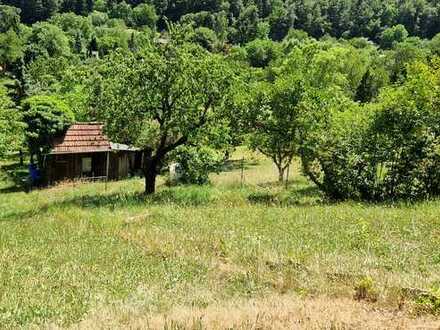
(123, 166)
(61, 171)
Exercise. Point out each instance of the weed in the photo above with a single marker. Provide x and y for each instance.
(366, 290)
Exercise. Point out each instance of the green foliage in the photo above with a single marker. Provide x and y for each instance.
(9, 18)
(403, 54)
(145, 15)
(206, 38)
(375, 78)
(331, 143)
(407, 128)
(78, 29)
(348, 18)
(273, 113)
(134, 76)
(161, 97)
(47, 40)
(393, 35)
(12, 47)
(342, 66)
(98, 18)
(429, 302)
(261, 52)
(365, 290)
(386, 151)
(196, 163)
(11, 127)
(246, 28)
(112, 37)
(46, 116)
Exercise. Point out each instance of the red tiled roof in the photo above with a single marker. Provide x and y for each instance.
(81, 137)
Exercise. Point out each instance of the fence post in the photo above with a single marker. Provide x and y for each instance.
(242, 172)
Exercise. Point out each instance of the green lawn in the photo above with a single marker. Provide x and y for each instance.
(75, 255)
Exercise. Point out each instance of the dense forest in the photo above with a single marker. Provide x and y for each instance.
(351, 87)
(239, 19)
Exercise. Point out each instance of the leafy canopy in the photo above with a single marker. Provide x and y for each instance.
(161, 97)
(45, 116)
(11, 127)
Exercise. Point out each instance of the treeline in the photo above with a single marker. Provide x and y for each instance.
(240, 20)
(360, 113)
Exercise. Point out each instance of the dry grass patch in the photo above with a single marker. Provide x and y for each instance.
(272, 312)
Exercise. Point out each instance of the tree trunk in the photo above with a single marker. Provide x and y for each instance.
(280, 173)
(150, 173)
(40, 161)
(150, 182)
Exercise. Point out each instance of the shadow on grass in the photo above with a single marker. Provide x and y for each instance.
(22, 215)
(273, 184)
(181, 196)
(302, 196)
(17, 174)
(173, 196)
(238, 164)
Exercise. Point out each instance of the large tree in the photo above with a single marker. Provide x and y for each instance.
(46, 116)
(160, 98)
(11, 127)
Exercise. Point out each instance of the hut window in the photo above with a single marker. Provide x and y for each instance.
(86, 165)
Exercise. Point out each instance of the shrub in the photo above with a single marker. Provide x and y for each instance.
(195, 164)
(385, 151)
(428, 302)
(365, 290)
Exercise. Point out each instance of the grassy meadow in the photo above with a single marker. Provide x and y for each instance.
(251, 256)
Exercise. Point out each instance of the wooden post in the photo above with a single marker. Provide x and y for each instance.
(242, 172)
(107, 165)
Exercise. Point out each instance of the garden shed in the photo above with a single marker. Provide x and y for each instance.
(84, 151)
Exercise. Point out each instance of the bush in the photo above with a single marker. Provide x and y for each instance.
(332, 152)
(195, 164)
(366, 290)
(389, 150)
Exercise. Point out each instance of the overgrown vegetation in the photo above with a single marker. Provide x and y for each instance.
(337, 84)
(114, 258)
(340, 96)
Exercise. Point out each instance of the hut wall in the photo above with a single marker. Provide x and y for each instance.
(70, 166)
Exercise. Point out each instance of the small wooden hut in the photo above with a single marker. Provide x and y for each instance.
(84, 151)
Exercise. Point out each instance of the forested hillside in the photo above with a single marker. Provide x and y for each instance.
(338, 18)
(350, 87)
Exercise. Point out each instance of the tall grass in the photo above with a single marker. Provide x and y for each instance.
(72, 252)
